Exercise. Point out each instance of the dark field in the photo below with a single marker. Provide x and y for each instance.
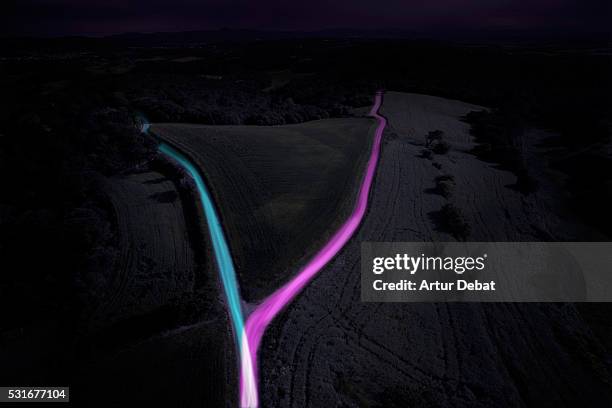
(345, 352)
(280, 190)
(154, 330)
(109, 278)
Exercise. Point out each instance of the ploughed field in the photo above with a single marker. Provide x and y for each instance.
(329, 348)
(157, 331)
(280, 190)
(155, 262)
(160, 300)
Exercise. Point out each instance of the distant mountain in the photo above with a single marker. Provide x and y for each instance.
(227, 34)
(189, 38)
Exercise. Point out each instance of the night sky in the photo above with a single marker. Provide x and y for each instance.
(102, 17)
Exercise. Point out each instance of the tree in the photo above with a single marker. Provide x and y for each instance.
(433, 136)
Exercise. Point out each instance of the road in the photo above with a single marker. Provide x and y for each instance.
(248, 337)
(261, 317)
(223, 257)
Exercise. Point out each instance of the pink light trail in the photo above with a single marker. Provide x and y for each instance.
(261, 317)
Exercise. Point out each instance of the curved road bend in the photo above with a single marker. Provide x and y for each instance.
(261, 317)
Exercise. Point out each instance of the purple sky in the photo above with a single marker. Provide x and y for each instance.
(100, 17)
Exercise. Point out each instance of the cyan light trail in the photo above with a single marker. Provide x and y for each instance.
(261, 317)
(222, 254)
(248, 338)
(220, 248)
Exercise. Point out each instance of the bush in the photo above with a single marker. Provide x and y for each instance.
(426, 154)
(441, 147)
(445, 185)
(449, 219)
(433, 136)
